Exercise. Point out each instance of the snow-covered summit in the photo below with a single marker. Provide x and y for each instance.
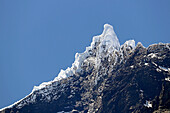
(103, 44)
(108, 38)
(97, 75)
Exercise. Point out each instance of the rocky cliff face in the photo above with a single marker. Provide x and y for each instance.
(106, 78)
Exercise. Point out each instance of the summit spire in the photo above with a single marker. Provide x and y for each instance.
(102, 46)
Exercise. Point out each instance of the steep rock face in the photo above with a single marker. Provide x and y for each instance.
(106, 78)
(140, 79)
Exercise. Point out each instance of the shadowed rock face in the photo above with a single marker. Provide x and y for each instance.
(120, 88)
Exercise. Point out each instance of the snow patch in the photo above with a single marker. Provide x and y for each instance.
(164, 68)
(148, 104)
(167, 79)
(10, 106)
(154, 63)
(130, 43)
(132, 66)
(146, 64)
(167, 46)
(63, 112)
(152, 55)
(127, 47)
(158, 70)
(42, 85)
(141, 91)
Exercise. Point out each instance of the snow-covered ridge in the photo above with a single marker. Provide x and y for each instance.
(106, 42)
(103, 45)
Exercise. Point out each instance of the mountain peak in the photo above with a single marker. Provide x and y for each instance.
(106, 77)
(103, 46)
(107, 38)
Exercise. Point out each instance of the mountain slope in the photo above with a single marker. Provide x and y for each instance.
(106, 78)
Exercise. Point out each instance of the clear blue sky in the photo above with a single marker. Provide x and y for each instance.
(40, 37)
